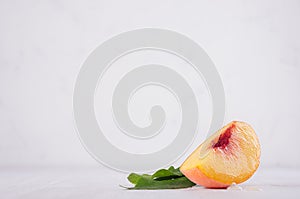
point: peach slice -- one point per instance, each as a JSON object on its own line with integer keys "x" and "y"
{"x": 231, "y": 155}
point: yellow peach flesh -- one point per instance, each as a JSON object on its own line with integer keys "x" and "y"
{"x": 231, "y": 155}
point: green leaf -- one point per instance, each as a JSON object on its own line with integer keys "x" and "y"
{"x": 175, "y": 171}
{"x": 148, "y": 183}
{"x": 162, "y": 179}
{"x": 164, "y": 174}
{"x": 134, "y": 178}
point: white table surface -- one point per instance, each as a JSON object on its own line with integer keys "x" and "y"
{"x": 70, "y": 182}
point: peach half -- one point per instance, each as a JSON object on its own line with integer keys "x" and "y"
{"x": 231, "y": 155}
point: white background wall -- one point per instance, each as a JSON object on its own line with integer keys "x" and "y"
{"x": 255, "y": 46}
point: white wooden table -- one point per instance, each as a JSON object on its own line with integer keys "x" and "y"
{"x": 100, "y": 183}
